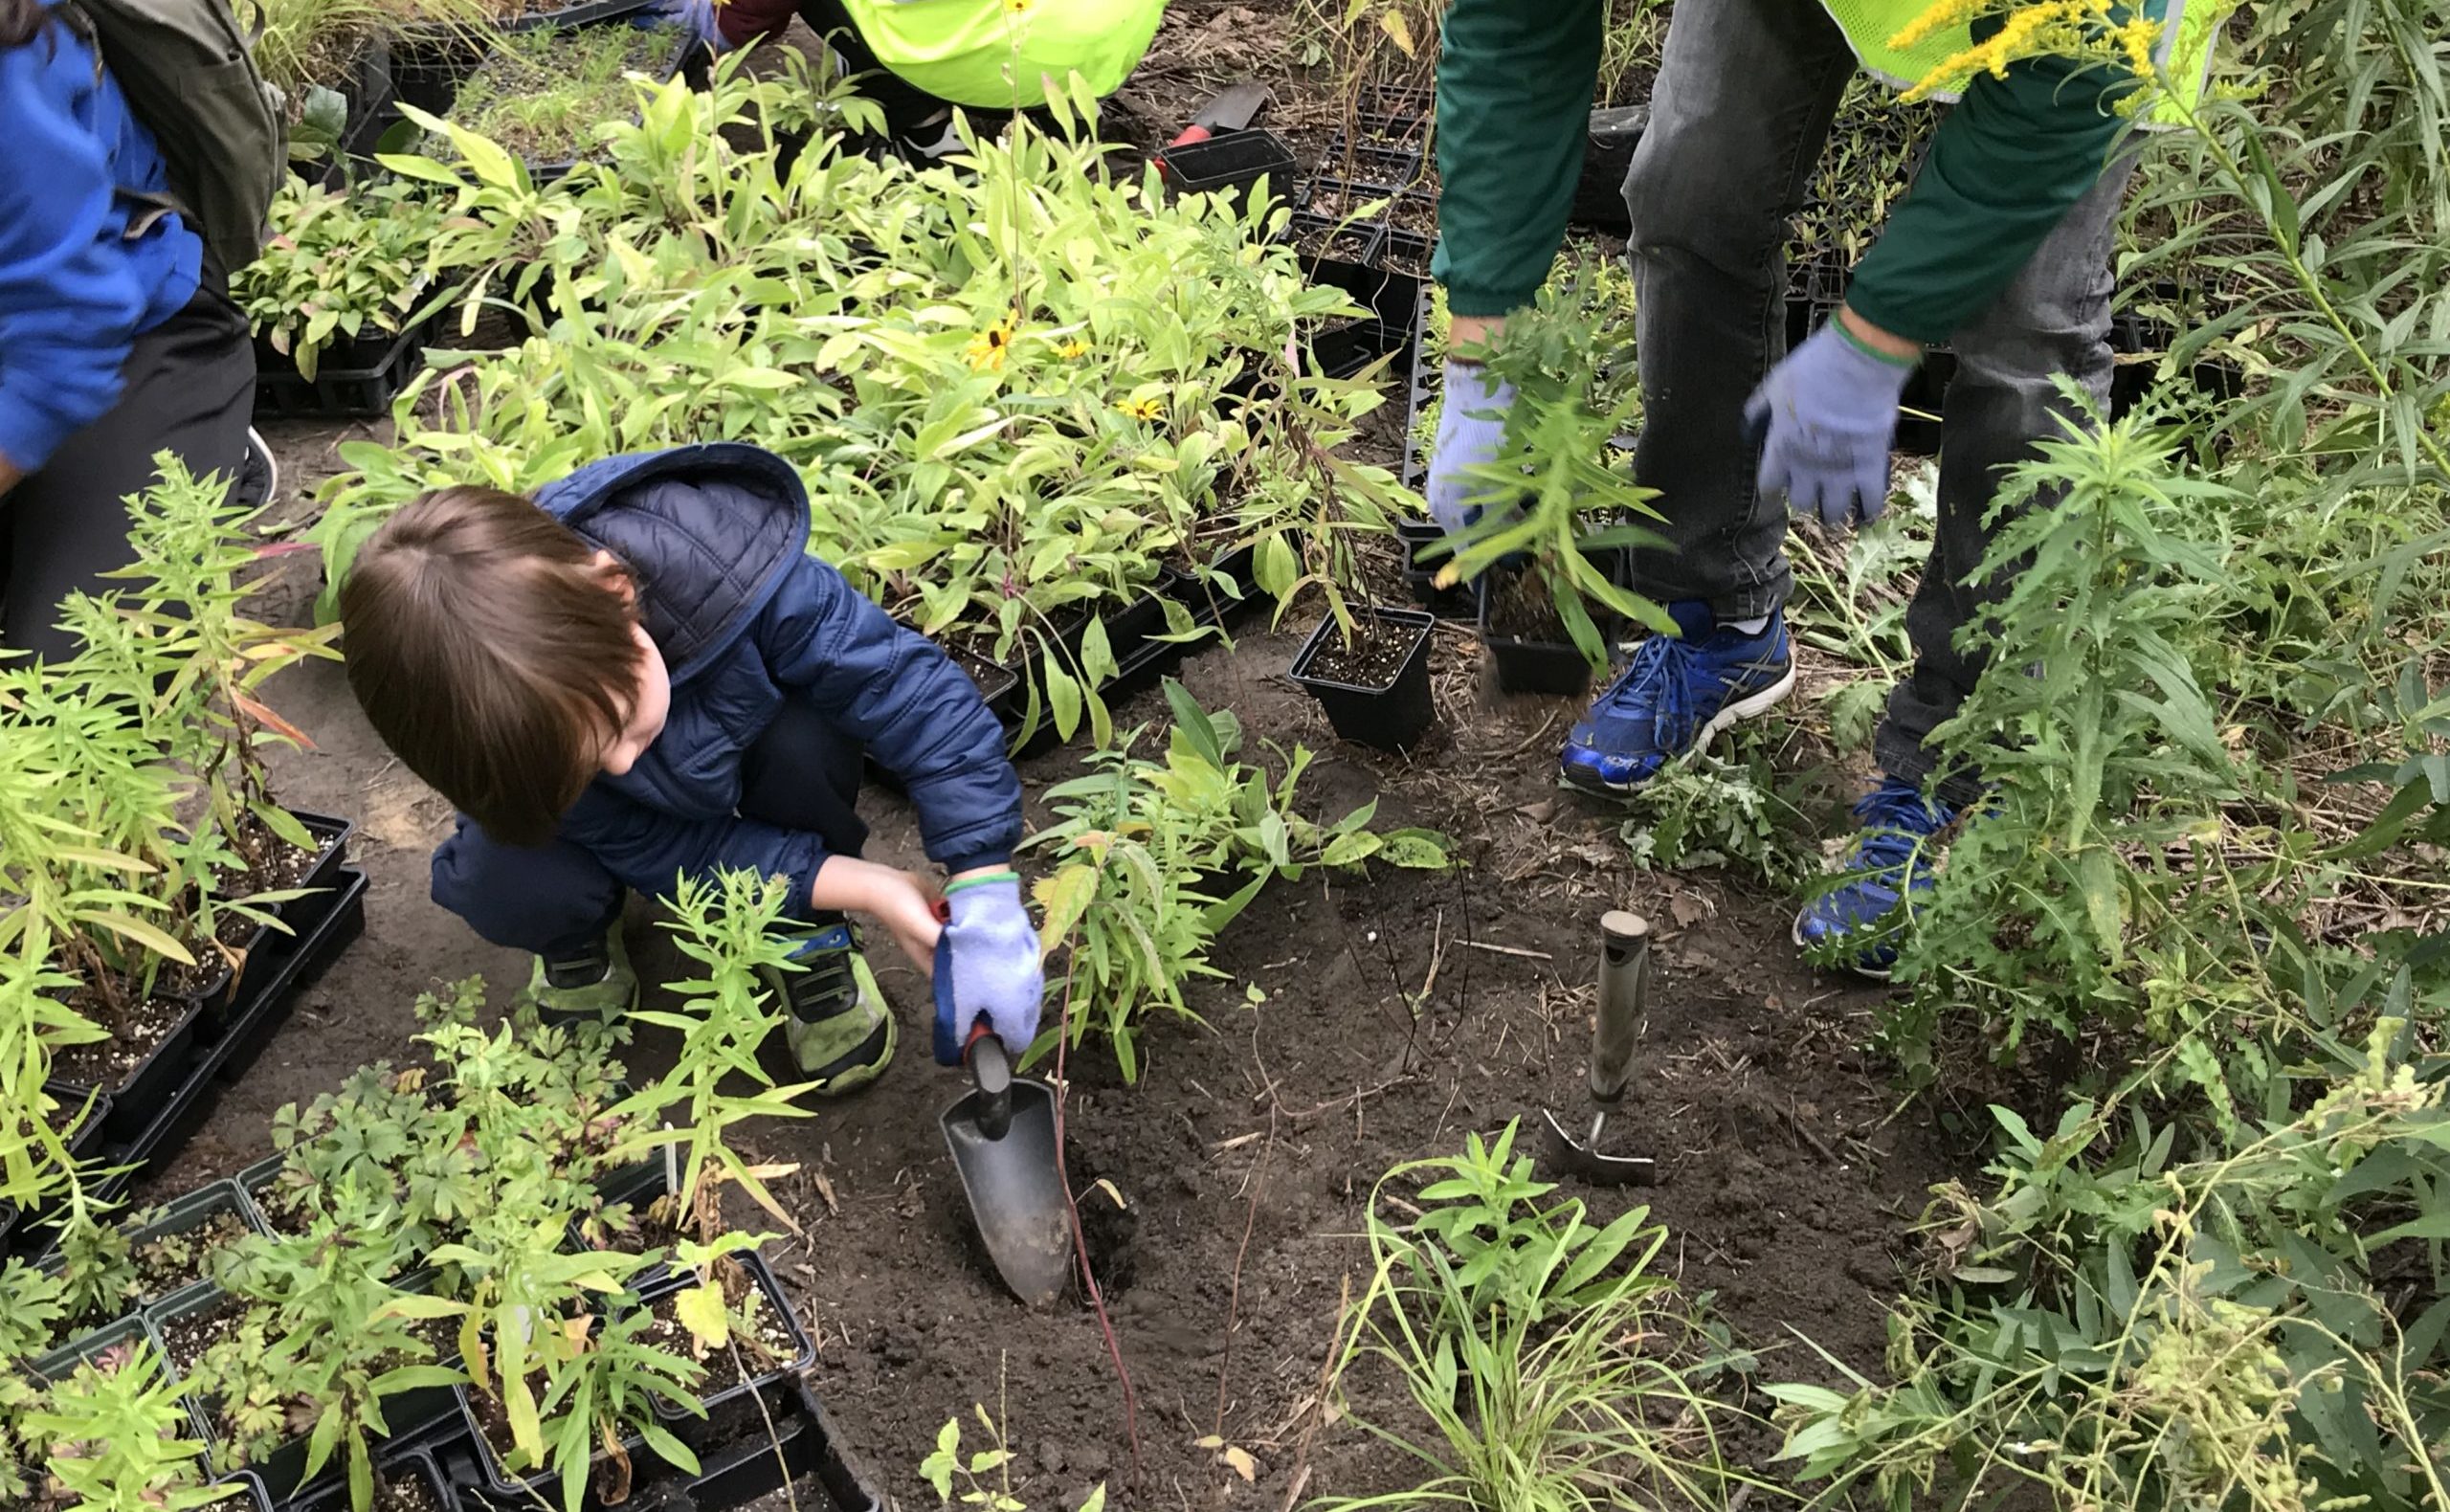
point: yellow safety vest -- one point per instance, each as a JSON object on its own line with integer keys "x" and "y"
{"x": 1004, "y": 53}
{"x": 2184, "y": 51}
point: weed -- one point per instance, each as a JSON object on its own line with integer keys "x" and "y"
{"x": 1554, "y": 1369}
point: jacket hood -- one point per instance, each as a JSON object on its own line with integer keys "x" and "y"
{"x": 709, "y": 531}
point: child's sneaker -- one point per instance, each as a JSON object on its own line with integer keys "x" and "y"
{"x": 1675, "y": 692}
{"x": 596, "y": 983}
{"x": 840, "y": 1030}
{"x": 1891, "y": 860}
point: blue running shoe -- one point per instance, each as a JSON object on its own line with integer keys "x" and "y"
{"x": 1891, "y": 858}
{"x": 1673, "y": 696}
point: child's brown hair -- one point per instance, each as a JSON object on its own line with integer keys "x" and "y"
{"x": 493, "y": 653}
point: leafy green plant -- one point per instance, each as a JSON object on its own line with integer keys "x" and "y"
{"x": 1554, "y": 1370}
{"x": 339, "y": 266}
{"x": 962, "y": 1478}
{"x": 730, "y": 924}
{"x": 326, "y": 1338}
{"x": 2093, "y": 886}
{"x": 113, "y": 1434}
{"x": 541, "y": 94}
{"x": 1555, "y": 512}
{"x": 2116, "y": 1323}
{"x": 1140, "y": 843}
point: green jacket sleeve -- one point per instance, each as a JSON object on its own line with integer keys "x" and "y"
{"x": 2005, "y": 165}
{"x": 1514, "y": 86}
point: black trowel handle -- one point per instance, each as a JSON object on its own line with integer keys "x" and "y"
{"x": 990, "y": 1072}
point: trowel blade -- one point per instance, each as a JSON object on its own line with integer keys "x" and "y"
{"x": 1562, "y": 1154}
{"x": 1015, "y": 1192}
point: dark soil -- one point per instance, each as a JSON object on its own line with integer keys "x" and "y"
{"x": 1376, "y": 653}
{"x": 1348, "y": 244}
{"x": 407, "y": 1494}
{"x": 1522, "y": 608}
{"x": 167, "y": 1263}
{"x": 185, "y": 1338}
{"x": 279, "y": 865}
{"x": 108, "y": 1063}
{"x": 766, "y": 1346}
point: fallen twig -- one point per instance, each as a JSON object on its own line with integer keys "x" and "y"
{"x": 1234, "y": 1298}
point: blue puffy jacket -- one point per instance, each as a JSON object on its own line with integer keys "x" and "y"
{"x": 716, "y": 537}
{"x": 75, "y": 293}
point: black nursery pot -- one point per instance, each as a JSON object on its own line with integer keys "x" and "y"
{"x": 746, "y": 1406}
{"x": 1389, "y": 718}
{"x": 1531, "y": 666}
{"x": 1420, "y": 573}
{"x": 1232, "y": 165}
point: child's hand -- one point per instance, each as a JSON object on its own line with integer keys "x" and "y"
{"x": 904, "y": 903}
{"x": 908, "y": 904}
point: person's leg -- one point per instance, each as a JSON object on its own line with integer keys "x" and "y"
{"x": 803, "y": 774}
{"x": 2054, "y": 318}
{"x": 1745, "y": 99}
{"x": 555, "y": 900}
{"x": 190, "y": 386}
{"x": 1746, "y": 90}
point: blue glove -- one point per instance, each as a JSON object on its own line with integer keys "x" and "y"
{"x": 1827, "y": 416}
{"x": 698, "y": 16}
{"x": 986, "y": 966}
{"x": 1471, "y": 427}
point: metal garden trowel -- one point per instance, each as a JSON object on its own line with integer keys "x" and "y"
{"x": 1001, "y": 1133}
{"x": 1624, "y": 996}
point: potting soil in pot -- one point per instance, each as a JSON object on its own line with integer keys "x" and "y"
{"x": 145, "y": 1023}
{"x": 1519, "y": 608}
{"x": 764, "y": 1344}
{"x": 172, "y": 1260}
{"x": 186, "y": 1336}
{"x": 1375, "y": 654}
{"x": 541, "y": 95}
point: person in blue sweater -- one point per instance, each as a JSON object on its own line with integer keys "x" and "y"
{"x": 641, "y": 676}
{"x": 118, "y": 341}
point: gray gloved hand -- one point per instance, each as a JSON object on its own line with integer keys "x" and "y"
{"x": 1828, "y": 417}
{"x": 1471, "y": 427}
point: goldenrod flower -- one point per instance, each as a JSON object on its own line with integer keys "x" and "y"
{"x": 989, "y": 348}
{"x": 2073, "y": 29}
{"x": 1149, "y": 408}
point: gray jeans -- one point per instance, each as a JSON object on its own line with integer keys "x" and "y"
{"x": 1744, "y": 100}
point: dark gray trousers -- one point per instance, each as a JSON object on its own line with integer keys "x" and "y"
{"x": 1743, "y": 105}
{"x": 190, "y": 388}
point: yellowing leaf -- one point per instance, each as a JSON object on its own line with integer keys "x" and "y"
{"x": 1242, "y": 1462}
{"x": 702, "y": 1312}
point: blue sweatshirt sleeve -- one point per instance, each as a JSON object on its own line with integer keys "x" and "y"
{"x": 649, "y": 849}
{"x": 892, "y": 690}
{"x": 70, "y": 297}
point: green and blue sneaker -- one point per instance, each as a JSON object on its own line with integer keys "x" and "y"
{"x": 594, "y": 983}
{"x": 840, "y": 1027}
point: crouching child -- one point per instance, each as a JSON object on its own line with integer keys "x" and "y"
{"x": 640, "y": 675}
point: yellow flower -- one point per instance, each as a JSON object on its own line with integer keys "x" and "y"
{"x": 1072, "y": 350}
{"x": 989, "y": 348}
{"x": 1149, "y": 408}
{"x": 1019, "y": 7}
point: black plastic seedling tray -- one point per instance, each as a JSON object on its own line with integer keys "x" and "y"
{"x": 163, "y": 1126}
{"x": 338, "y": 391}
